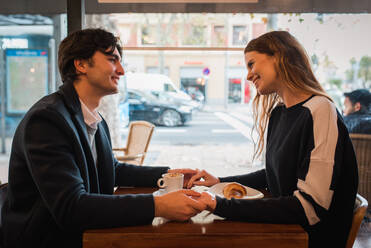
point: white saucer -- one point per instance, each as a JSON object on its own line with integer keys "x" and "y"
{"x": 159, "y": 192}
{"x": 217, "y": 189}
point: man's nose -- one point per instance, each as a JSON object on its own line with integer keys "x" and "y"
{"x": 249, "y": 76}
{"x": 120, "y": 69}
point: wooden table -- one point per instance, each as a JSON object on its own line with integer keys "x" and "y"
{"x": 223, "y": 234}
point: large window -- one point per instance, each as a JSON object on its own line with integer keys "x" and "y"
{"x": 28, "y": 68}
{"x": 200, "y": 57}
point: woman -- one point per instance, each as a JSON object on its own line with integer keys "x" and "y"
{"x": 311, "y": 170}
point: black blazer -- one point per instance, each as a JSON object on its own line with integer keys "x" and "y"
{"x": 56, "y": 191}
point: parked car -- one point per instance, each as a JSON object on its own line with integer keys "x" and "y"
{"x": 144, "y": 106}
{"x": 171, "y": 98}
{"x": 196, "y": 94}
{"x": 154, "y": 82}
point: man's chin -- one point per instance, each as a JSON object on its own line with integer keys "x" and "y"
{"x": 113, "y": 92}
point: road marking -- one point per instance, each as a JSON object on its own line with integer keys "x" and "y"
{"x": 249, "y": 119}
{"x": 224, "y": 131}
{"x": 203, "y": 122}
{"x": 166, "y": 130}
{"x": 241, "y": 127}
{"x": 161, "y": 130}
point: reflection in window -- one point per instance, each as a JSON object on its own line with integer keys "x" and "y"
{"x": 132, "y": 95}
{"x": 156, "y": 69}
{"x": 195, "y": 35}
{"x": 169, "y": 88}
{"x": 240, "y": 35}
{"x": 148, "y": 35}
{"x": 14, "y": 43}
{"x": 219, "y": 36}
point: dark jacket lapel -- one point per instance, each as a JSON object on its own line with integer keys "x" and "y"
{"x": 72, "y": 102}
{"x": 106, "y": 171}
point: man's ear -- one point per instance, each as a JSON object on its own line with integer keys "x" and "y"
{"x": 357, "y": 106}
{"x": 80, "y": 66}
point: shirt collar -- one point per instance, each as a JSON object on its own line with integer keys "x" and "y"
{"x": 91, "y": 118}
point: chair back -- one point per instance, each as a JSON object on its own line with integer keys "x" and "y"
{"x": 140, "y": 134}
{"x": 360, "y": 208}
{"x": 362, "y": 148}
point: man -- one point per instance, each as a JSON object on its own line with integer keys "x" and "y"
{"x": 356, "y": 111}
{"x": 62, "y": 171}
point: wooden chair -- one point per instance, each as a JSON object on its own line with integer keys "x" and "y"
{"x": 140, "y": 134}
{"x": 362, "y": 148}
{"x": 360, "y": 208}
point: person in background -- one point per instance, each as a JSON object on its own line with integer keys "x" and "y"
{"x": 62, "y": 171}
{"x": 357, "y": 112}
{"x": 311, "y": 168}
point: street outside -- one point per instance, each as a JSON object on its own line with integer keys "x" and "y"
{"x": 217, "y": 140}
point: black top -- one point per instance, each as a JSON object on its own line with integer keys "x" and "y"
{"x": 311, "y": 172}
{"x": 55, "y": 189}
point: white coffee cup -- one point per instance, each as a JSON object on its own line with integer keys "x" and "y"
{"x": 171, "y": 182}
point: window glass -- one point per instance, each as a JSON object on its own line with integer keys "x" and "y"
{"x": 240, "y": 35}
{"x": 148, "y": 35}
{"x": 202, "y": 55}
{"x": 28, "y": 68}
{"x": 219, "y": 36}
{"x": 194, "y": 35}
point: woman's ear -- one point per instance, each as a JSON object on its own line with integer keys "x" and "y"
{"x": 80, "y": 66}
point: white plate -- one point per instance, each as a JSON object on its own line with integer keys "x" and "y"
{"x": 217, "y": 189}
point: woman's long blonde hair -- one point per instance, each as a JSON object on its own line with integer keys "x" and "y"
{"x": 292, "y": 66}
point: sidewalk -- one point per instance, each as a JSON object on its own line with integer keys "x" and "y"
{"x": 220, "y": 160}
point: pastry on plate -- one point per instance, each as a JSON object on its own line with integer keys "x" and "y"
{"x": 234, "y": 190}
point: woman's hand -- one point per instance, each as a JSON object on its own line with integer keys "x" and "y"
{"x": 188, "y": 174}
{"x": 208, "y": 179}
{"x": 209, "y": 200}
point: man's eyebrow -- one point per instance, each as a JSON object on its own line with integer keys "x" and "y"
{"x": 115, "y": 56}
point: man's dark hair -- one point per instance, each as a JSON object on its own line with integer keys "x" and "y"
{"x": 83, "y": 44}
{"x": 362, "y": 96}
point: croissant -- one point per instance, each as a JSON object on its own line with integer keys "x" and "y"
{"x": 234, "y": 190}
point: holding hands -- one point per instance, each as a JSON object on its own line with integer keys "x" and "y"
{"x": 179, "y": 205}
{"x": 183, "y": 204}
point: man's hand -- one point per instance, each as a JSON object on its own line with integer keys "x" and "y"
{"x": 178, "y": 205}
{"x": 208, "y": 199}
